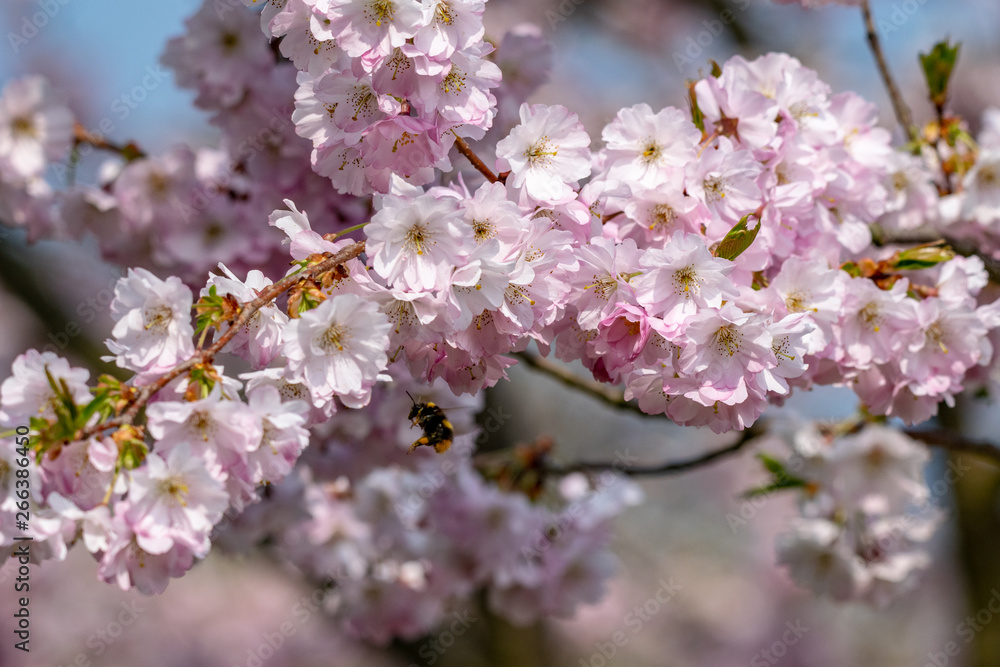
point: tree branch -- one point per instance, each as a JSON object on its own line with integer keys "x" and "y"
{"x": 249, "y": 309}
{"x": 602, "y": 392}
{"x": 17, "y": 263}
{"x": 668, "y": 468}
{"x": 941, "y": 438}
{"x": 129, "y": 151}
{"x": 480, "y": 166}
{"x": 936, "y": 438}
{"x": 616, "y": 399}
{"x": 898, "y": 104}
{"x": 956, "y": 442}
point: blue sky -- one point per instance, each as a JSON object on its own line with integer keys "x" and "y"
{"x": 101, "y": 50}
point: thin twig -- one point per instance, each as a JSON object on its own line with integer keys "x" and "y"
{"x": 480, "y": 166}
{"x": 129, "y": 150}
{"x": 668, "y": 468}
{"x": 266, "y": 296}
{"x": 898, "y": 104}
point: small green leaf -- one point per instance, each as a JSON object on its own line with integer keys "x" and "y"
{"x": 208, "y": 309}
{"x": 100, "y": 404}
{"x": 308, "y": 302}
{"x": 37, "y": 424}
{"x": 768, "y": 489}
{"x": 923, "y": 257}
{"x": 697, "y": 117}
{"x": 133, "y": 454}
{"x": 737, "y": 240}
{"x": 716, "y": 70}
{"x": 773, "y": 465}
{"x": 782, "y": 479}
{"x": 852, "y": 269}
{"x": 204, "y": 378}
{"x": 938, "y": 65}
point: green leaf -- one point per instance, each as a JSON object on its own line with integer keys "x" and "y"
{"x": 773, "y": 465}
{"x": 37, "y": 424}
{"x": 768, "y": 489}
{"x": 852, "y": 269}
{"x": 737, "y": 240}
{"x": 64, "y": 406}
{"x": 203, "y": 378}
{"x": 716, "y": 70}
{"x": 697, "y": 117}
{"x": 938, "y": 65}
{"x": 133, "y": 454}
{"x": 782, "y": 479}
{"x": 923, "y": 257}
{"x": 209, "y": 308}
{"x": 101, "y": 403}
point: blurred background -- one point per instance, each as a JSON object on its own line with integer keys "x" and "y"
{"x": 730, "y": 604}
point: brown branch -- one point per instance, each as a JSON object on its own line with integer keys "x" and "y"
{"x": 898, "y": 104}
{"x": 129, "y": 151}
{"x": 952, "y": 441}
{"x": 668, "y": 468}
{"x": 616, "y": 399}
{"x": 941, "y": 438}
{"x": 937, "y": 438}
{"x": 602, "y": 392}
{"x": 480, "y": 166}
{"x": 266, "y": 296}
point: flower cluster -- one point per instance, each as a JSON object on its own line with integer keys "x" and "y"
{"x": 866, "y": 513}
{"x": 630, "y": 274}
{"x": 403, "y": 539}
{"x": 354, "y": 508}
{"x": 36, "y": 128}
{"x": 709, "y": 261}
{"x": 385, "y": 87}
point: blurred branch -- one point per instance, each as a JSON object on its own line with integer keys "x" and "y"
{"x": 954, "y": 441}
{"x": 941, "y": 438}
{"x": 602, "y": 392}
{"x": 668, "y": 468}
{"x": 740, "y": 34}
{"x": 898, "y": 104}
{"x": 16, "y": 275}
{"x": 977, "y": 538}
{"x": 129, "y": 151}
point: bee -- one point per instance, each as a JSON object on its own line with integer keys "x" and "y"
{"x": 438, "y": 431}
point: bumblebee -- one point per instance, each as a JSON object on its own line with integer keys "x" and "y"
{"x": 438, "y": 431}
